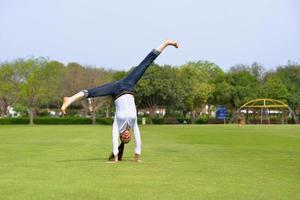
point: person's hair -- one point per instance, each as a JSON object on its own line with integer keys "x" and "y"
{"x": 125, "y": 136}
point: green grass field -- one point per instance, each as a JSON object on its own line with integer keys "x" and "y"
{"x": 179, "y": 162}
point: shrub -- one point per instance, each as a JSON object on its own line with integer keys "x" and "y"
{"x": 10, "y": 120}
{"x": 157, "y": 121}
{"x": 62, "y": 120}
{"x": 170, "y": 120}
{"x": 181, "y": 120}
{"x": 56, "y": 120}
{"x": 201, "y": 120}
{"x": 106, "y": 121}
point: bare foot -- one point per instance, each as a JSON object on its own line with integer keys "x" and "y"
{"x": 172, "y": 42}
{"x": 65, "y": 105}
{"x": 113, "y": 159}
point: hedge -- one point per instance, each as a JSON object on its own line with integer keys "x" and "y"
{"x": 183, "y": 120}
{"x": 202, "y": 120}
{"x": 85, "y": 120}
{"x": 62, "y": 120}
{"x": 56, "y": 120}
{"x": 157, "y": 121}
{"x": 14, "y": 120}
{"x": 170, "y": 120}
{"x": 108, "y": 121}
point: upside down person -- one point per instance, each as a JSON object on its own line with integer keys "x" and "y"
{"x": 122, "y": 93}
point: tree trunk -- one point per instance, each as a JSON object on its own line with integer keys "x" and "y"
{"x": 3, "y": 108}
{"x": 107, "y": 112}
{"x": 184, "y": 113}
{"x": 209, "y": 111}
{"x": 152, "y": 111}
{"x": 94, "y": 117}
{"x": 194, "y": 115}
{"x": 30, "y": 112}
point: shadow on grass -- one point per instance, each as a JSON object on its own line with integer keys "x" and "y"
{"x": 80, "y": 160}
{"x": 94, "y": 159}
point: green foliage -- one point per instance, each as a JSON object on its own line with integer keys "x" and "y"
{"x": 56, "y": 120}
{"x": 274, "y": 88}
{"x": 105, "y": 121}
{"x": 157, "y": 87}
{"x": 17, "y": 120}
{"x": 54, "y": 81}
{"x": 201, "y": 120}
{"x": 9, "y": 85}
{"x": 290, "y": 76}
{"x": 157, "y": 121}
{"x": 39, "y": 82}
{"x": 184, "y": 91}
{"x": 62, "y": 120}
{"x": 197, "y": 83}
{"x": 21, "y": 109}
{"x": 170, "y": 120}
{"x": 244, "y": 85}
{"x": 184, "y": 120}
{"x": 118, "y": 75}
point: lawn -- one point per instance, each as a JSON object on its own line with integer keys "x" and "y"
{"x": 208, "y": 162}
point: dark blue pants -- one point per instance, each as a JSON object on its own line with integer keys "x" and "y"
{"x": 126, "y": 84}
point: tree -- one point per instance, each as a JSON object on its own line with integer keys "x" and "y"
{"x": 36, "y": 82}
{"x": 290, "y": 76}
{"x": 54, "y": 81}
{"x": 202, "y": 93}
{"x": 222, "y": 93}
{"x": 274, "y": 88}
{"x": 156, "y": 88}
{"x": 197, "y": 80}
{"x": 93, "y": 78}
{"x": 244, "y": 85}
{"x": 9, "y": 85}
{"x": 74, "y": 79}
{"x": 78, "y": 78}
{"x": 258, "y": 71}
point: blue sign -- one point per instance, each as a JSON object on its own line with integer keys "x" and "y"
{"x": 221, "y": 113}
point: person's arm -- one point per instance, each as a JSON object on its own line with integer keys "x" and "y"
{"x": 115, "y": 139}
{"x": 137, "y": 139}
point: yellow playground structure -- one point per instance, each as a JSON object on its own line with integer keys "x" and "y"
{"x": 264, "y": 111}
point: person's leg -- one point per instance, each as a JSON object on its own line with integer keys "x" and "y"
{"x": 127, "y": 83}
{"x": 135, "y": 75}
{"x": 69, "y": 100}
{"x": 104, "y": 90}
{"x": 166, "y": 43}
{"x": 138, "y": 71}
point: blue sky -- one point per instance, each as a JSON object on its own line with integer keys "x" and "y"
{"x": 118, "y": 34}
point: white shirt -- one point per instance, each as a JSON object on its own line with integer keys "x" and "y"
{"x": 125, "y": 117}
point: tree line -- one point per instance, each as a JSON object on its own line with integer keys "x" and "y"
{"x": 34, "y": 85}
